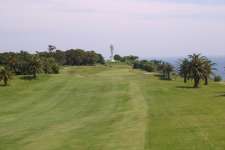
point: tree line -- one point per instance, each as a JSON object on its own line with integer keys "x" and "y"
{"x": 48, "y": 62}
{"x": 73, "y": 57}
{"x": 126, "y": 59}
{"x": 194, "y": 67}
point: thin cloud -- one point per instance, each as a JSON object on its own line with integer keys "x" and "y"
{"x": 131, "y": 24}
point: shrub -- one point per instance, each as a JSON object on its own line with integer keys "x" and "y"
{"x": 136, "y": 65}
{"x": 217, "y": 78}
{"x": 55, "y": 68}
{"x": 149, "y": 67}
{"x": 50, "y": 66}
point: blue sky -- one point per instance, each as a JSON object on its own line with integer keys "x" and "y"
{"x": 148, "y": 28}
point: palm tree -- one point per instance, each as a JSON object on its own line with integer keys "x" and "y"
{"x": 4, "y": 75}
{"x": 168, "y": 69}
{"x": 208, "y": 66}
{"x": 161, "y": 68}
{"x": 197, "y": 68}
{"x": 184, "y": 68}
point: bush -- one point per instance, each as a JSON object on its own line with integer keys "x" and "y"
{"x": 50, "y": 66}
{"x": 55, "y": 68}
{"x": 217, "y": 78}
{"x": 136, "y": 65}
{"x": 149, "y": 67}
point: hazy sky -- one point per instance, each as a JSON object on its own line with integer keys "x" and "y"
{"x": 148, "y": 28}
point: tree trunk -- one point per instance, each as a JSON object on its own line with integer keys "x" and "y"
{"x": 168, "y": 74}
{"x": 185, "y": 78}
{"x": 196, "y": 82}
{"x": 206, "y": 81}
{"x": 34, "y": 75}
{"x": 164, "y": 75}
{"x": 5, "y": 81}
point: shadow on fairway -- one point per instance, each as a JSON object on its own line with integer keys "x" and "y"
{"x": 157, "y": 75}
{"x": 184, "y": 87}
{"x": 27, "y": 78}
{"x": 161, "y": 77}
{"x": 220, "y": 94}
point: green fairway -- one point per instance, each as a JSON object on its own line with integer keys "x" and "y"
{"x": 110, "y": 108}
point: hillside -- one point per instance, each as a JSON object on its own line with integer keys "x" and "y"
{"x": 110, "y": 108}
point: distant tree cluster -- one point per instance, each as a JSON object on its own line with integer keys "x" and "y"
{"x": 196, "y": 67}
{"x": 25, "y": 63}
{"x": 126, "y": 59}
{"x": 166, "y": 69}
{"x": 75, "y": 57}
{"x": 145, "y": 65}
{"x": 155, "y": 66}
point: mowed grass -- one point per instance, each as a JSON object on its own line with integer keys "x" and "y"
{"x": 110, "y": 108}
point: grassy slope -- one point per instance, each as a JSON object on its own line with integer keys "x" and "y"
{"x": 99, "y": 108}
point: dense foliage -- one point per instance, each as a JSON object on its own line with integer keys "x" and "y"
{"x": 4, "y": 75}
{"x": 155, "y": 66}
{"x": 74, "y": 57}
{"x": 24, "y": 63}
{"x": 217, "y": 78}
{"x": 145, "y": 65}
{"x": 126, "y": 59}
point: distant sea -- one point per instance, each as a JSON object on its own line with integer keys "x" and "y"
{"x": 220, "y": 63}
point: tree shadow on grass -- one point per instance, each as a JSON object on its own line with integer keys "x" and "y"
{"x": 27, "y": 78}
{"x": 157, "y": 75}
{"x": 161, "y": 77}
{"x": 185, "y": 87}
{"x": 220, "y": 94}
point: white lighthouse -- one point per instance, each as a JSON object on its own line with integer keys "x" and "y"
{"x": 112, "y": 53}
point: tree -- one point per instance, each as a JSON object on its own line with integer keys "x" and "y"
{"x": 101, "y": 59}
{"x": 168, "y": 69}
{"x": 117, "y": 57}
{"x": 81, "y": 57}
{"x": 197, "y": 68}
{"x": 60, "y": 57}
{"x": 50, "y": 66}
{"x": 208, "y": 67}
{"x": 51, "y": 48}
{"x": 35, "y": 65}
{"x": 4, "y": 75}
{"x": 129, "y": 59}
{"x": 149, "y": 67}
{"x": 144, "y": 65}
{"x": 217, "y": 78}
{"x": 12, "y": 62}
{"x": 184, "y": 68}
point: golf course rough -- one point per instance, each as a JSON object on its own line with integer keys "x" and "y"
{"x": 110, "y": 108}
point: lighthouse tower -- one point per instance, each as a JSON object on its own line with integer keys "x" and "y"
{"x": 112, "y": 53}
